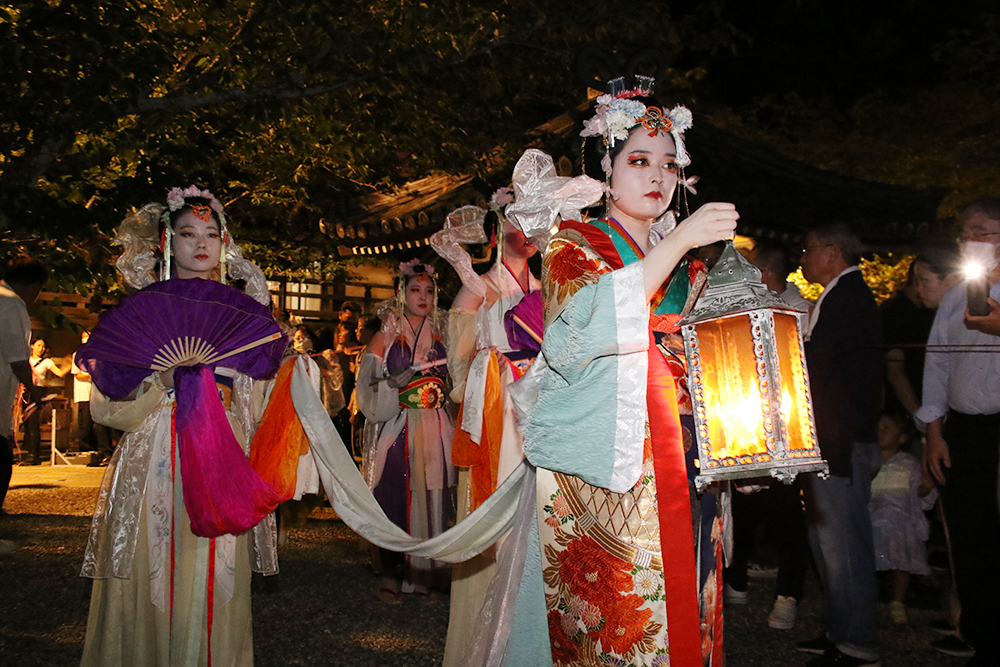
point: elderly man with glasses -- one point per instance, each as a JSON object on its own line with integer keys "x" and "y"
{"x": 845, "y": 374}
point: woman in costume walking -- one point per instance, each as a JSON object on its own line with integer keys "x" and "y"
{"x": 627, "y": 578}
{"x": 494, "y": 333}
{"x": 402, "y": 388}
{"x": 163, "y": 595}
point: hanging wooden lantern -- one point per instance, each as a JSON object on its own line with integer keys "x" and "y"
{"x": 748, "y": 380}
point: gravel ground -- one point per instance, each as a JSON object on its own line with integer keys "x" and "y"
{"x": 321, "y": 609}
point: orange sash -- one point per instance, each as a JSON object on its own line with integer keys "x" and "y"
{"x": 482, "y": 460}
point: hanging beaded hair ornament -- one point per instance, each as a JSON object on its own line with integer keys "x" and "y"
{"x": 618, "y": 112}
{"x": 176, "y": 200}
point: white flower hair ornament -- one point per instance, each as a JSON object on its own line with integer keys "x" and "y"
{"x": 502, "y": 198}
{"x": 617, "y": 113}
{"x": 176, "y": 200}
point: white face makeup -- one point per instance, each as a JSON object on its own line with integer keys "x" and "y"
{"x": 515, "y": 243}
{"x": 643, "y": 177}
{"x": 419, "y": 296}
{"x": 196, "y": 246}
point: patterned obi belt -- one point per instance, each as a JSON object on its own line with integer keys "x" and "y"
{"x": 424, "y": 392}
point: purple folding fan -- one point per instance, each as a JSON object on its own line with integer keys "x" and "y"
{"x": 177, "y": 321}
{"x": 524, "y": 323}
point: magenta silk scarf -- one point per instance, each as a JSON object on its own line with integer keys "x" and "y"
{"x": 222, "y": 492}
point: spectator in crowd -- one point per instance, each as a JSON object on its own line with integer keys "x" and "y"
{"x": 23, "y": 280}
{"x": 284, "y": 320}
{"x": 348, "y": 316}
{"x": 342, "y": 355}
{"x": 91, "y": 436}
{"x": 906, "y": 323}
{"x": 901, "y": 493}
{"x": 775, "y": 265}
{"x": 341, "y": 335}
{"x": 961, "y": 408}
{"x": 368, "y": 326}
{"x": 47, "y": 372}
{"x": 845, "y": 375}
{"x": 331, "y": 376}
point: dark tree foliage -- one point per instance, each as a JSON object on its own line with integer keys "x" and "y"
{"x": 287, "y": 110}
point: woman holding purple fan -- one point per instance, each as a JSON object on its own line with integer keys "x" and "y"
{"x": 182, "y": 517}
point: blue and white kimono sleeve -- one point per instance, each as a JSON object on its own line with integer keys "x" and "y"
{"x": 589, "y": 418}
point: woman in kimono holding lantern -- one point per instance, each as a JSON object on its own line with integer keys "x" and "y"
{"x": 627, "y": 577}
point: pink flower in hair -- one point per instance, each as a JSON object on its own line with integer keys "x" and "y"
{"x": 415, "y": 266}
{"x": 502, "y": 197}
{"x": 176, "y": 198}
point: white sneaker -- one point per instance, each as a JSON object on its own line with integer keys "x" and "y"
{"x": 732, "y": 596}
{"x": 782, "y": 617}
{"x": 758, "y": 571}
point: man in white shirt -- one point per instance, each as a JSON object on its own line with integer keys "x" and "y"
{"x": 961, "y": 407}
{"x": 23, "y": 280}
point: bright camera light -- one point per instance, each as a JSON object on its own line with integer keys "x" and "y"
{"x": 973, "y": 270}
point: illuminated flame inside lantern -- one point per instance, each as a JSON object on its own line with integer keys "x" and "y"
{"x": 741, "y": 424}
{"x": 732, "y": 369}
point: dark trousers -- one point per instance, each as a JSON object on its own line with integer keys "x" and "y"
{"x": 6, "y": 466}
{"x": 91, "y": 435}
{"x": 970, "y": 507}
{"x": 778, "y": 510}
{"x": 32, "y": 436}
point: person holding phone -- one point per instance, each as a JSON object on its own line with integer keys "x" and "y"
{"x": 961, "y": 408}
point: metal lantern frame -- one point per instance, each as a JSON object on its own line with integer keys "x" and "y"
{"x": 734, "y": 290}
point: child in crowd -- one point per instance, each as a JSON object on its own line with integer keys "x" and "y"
{"x": 901, "y": 493}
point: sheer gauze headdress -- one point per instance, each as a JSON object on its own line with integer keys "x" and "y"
{"x": 536, "y": 198}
